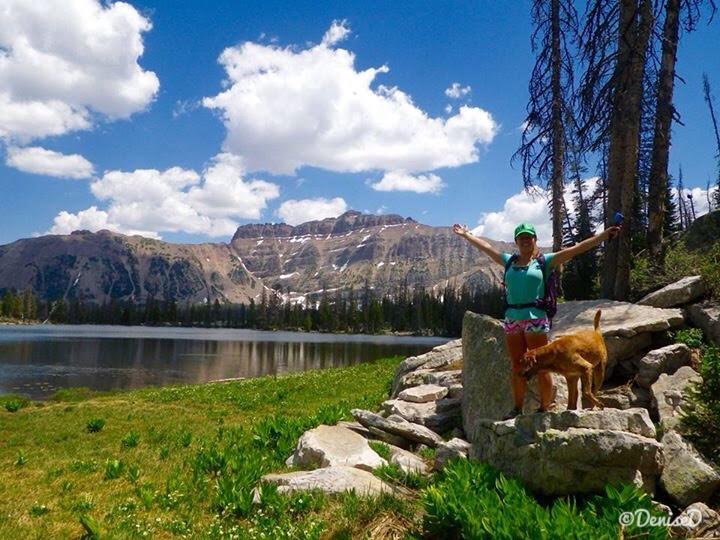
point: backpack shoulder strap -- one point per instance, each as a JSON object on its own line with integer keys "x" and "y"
{"x": 510, "y": 261}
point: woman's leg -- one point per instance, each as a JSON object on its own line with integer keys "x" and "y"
{"x": 545, "y": 384}
{"x": 516, "y": 347}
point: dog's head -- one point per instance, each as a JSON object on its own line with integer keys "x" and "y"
{"x": 529, "y": 364}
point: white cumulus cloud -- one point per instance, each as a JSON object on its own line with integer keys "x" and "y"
{"x": 149, "y": 201}
{"x": 526, "y": 207}
{"x": 284, "y": 108}
{"x": 64, "y": 61}
{"x": 456, "y": 91}
{"x": 401, "y": 181}
{"x": 294, "y": 212}
{"x": 38, "y": 160}
{"x": 337, "y": 32}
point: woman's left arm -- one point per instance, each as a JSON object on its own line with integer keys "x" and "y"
{"x": 566, "y": 254}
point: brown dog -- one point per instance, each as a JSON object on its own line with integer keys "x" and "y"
{"x": 576, "y": 356}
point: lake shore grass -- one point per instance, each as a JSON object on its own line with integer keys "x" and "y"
{"x": 185, "y": 462}
{"x": 139, "y": 463}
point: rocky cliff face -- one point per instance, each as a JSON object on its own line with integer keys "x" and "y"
{"x": 98, "y": 267}
{"x": 299, "y": 262}
{"x": 346, "y": 251}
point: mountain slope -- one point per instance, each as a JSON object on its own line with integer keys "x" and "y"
{"x": 299, "y": 262}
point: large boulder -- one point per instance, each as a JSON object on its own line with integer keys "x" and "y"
{"x": 687, "y": 478}
{"x": 439, "y": 357}
{"x": 574, "y": 451}
{"x": 330, "y": 480}
{"x": 664, "y": 360}
{"x": 621, "y": 324}
{"x": 668, "y": 396}
{"x": 397, "y": 425}
{"x": 487, "y": 371}
{"x": 676, "y": 294}
{"x": 706, "y": 316}
{"x": 329, "y": 446}
{"x": 440, "y": 416}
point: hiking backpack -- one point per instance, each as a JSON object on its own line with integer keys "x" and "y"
{"x": 548, "y": 302}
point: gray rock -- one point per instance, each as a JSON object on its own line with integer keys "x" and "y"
{"x": 440, "y": 416}
{"x": 440, "y": 356}
{"x": 627, "y": 328}
{"x": 676, "y": 294}
{"x": 618, "y": 318}
{"x": 697, "y": 521}
{"x": 687, "y": 478}
{"x": 454, "y": 448}
{"x": 329, "y": 446}
{"x": 707, "y": 317}
{"x": 623, "y": 348}
{"x": 573, "y": 451}
{"x": 423, "y": 393}
{"x": 409, "y": 380}
{"x": 665, "y": 360}
{"x": 407, "y": 461}
{"x": 330, "y": 480}
{"x": 444, "y": 378}
{"x": 384, "y": 436}
{"x": 398, "y": 426}
{"x": 668, "y": 396}
{"x": 626, "y": 397}
{"x": 455, "y": 391}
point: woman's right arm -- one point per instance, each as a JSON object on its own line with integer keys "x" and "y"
{"x": 484, "y": 246}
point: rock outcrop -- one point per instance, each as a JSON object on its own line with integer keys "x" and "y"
{"x": 573, "y": 451}
{"x": 687, "y": 477}
{"x": 397, "y": 425}
{"x": 676, "y": 294}
{"x": 706, "y": 316}
{"x": 669, "y": 396}
{"x": 329, "y": 446}
{"x": 664, "y": 360}
{"x": 330, "y": 480}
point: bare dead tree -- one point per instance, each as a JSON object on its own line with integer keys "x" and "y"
{"x": 543, "y": 149}
{"x": 690, "y": 12}
{"x": 709, "y": 100}
{"x": 614, "y": 42}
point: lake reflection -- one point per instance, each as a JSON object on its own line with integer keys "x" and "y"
{"x": 36, "y": 360}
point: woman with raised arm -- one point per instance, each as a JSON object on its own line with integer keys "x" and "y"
{"x": 526, "y": 325}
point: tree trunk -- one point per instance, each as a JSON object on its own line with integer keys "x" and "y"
{"x": 633, "y": 37}
{"x": 663, "y": 123}
{"x": 558, "y": 142}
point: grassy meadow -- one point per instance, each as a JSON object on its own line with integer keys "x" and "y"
{"x": 184, "y": 462}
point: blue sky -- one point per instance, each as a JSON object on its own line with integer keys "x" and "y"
{"x": 171, "y": 144}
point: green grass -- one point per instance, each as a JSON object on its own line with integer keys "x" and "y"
{"x": 185, "y": 462}
{"x": 175, "y": 461}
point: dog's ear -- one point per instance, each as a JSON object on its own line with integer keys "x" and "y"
{"x": 529, "y": 358}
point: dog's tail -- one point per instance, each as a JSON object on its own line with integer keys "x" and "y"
{"x": 597, "y": 319}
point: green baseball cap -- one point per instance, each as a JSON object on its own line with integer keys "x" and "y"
{"x": 525, "y": 228}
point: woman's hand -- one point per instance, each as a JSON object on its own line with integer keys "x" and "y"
{"x": 461, "y": 230}
{"x": 610, "y": 232}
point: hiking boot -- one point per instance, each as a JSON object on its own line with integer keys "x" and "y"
{"x": 515, "y": 411}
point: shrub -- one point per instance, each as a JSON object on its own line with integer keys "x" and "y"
{"x": 381, "y": 449}
{"x": 692, "y": 337}
{"x": 702, "y": 420}
{"x": 37, "y": 510}
{"x": 473, "y": 500}
{"x": 130, "y": 440}
{"x": 95, "y": 425}
{"x": 113, "y": 469}
{"x": 13, "y": 402}
{"x": 20, "y": 460}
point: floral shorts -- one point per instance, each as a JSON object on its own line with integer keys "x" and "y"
{"x": 538, "y": 326}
